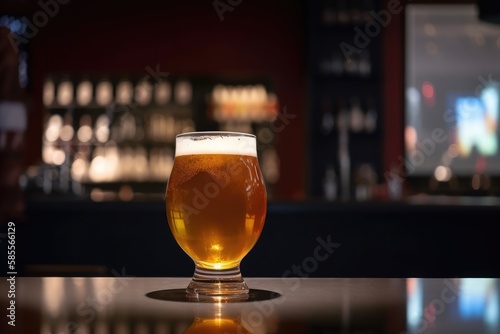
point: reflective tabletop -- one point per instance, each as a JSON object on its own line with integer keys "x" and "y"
{"x": 124, "y": 304}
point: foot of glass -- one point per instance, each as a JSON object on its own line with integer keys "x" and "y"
{"x": 217, "y": 285}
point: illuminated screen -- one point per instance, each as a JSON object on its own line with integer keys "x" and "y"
{"x": 452, "y": 82}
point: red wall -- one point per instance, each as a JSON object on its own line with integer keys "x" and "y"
{"x": 256, "y": 38}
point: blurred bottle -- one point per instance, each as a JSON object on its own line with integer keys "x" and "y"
{"x": 356, "y": 117}
{"x": 343, "y": 152}
{"x": 330, "y": 184}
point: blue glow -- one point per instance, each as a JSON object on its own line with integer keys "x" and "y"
{"x": 492, "y": 309}
{"x": 414, "y": 303}
{"x": 15, "y": 25}
{"x": 472, "y": 301}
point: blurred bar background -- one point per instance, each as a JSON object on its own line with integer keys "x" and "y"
{"x": 359, "y": 107}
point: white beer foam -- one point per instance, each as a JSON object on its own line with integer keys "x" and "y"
{"x": 216, "y": 144}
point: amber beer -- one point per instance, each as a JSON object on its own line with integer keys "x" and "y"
{"x": 216, "y": 200}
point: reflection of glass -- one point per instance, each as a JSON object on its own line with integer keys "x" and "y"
{"x": 216, "y": 206}
{"x": 217, "y": 318}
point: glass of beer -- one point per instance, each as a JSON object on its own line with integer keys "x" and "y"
{"x": 216, "y": 205}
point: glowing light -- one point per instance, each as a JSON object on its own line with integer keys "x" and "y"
{"x": 102, "y": 134}
{"x": 104, "y": 93}
{"x": 412, "y": 95}
{"x": 124, "y": 92}
{"x": 58, "y": 157}
{"x": 97, "y": 169}
{"x": 84, "y": 133}
{"x": 52, "y": 133}
{"x": 414, "y": 302}
{"x": 65, "y": 93}
{"x": 53, "y": 295}
{"x": 427, "y": 90}
{"x": 183, "y": 92}
{"x": 216, "y": 248}
{"x": 78, "y": 169}
{"x": 143, "y": 93}
{"x": 84, "y": 93}
{"x": 474, "y": 297}
{"x": 55, "y": 120}
{"x": 102, "y": 128}
{"x": 442, "y": 173}
{"x": 163, "y": 93}
{"x": 47, "y": 153}
{"x": 67, "y": 132}
{"x": 48, "y": 93}
{"x": 411, "y": 138}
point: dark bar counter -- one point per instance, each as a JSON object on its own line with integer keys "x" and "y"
{"x": 418, "y": 237}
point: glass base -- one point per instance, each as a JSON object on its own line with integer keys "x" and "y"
{"x": 217, "y": 285}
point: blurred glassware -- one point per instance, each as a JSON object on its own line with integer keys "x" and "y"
{"x": 104, "y": 93}
{"x": 65, "y": 93}
{"x": 84, "y": 93}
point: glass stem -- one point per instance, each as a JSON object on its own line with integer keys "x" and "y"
{"x": 209, "y": 284}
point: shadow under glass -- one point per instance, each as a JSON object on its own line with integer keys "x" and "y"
{"x": 180, "y": 295}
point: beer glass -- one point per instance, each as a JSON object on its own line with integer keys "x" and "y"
{"x": 216, "y": 205}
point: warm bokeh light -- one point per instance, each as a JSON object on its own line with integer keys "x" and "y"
{"x": 428, "y": 90}
{"x": 48, "y": 93}
{"x": 65, "y": 93}
{"x": 163, "y": 93}
{"x": 442, "y": 173}
{"x": 104, "y": 93}
{"x": 124, "y": 92}
{"x": 143, "y": 93}
{"x": 58, "y": 157}
{"x": 67, "y": 132}
{"x": 84, "y": 133}
{"x": 183, "y": 92}
{"x": 79, "y": 169}
{"x": 84, "y": 93}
